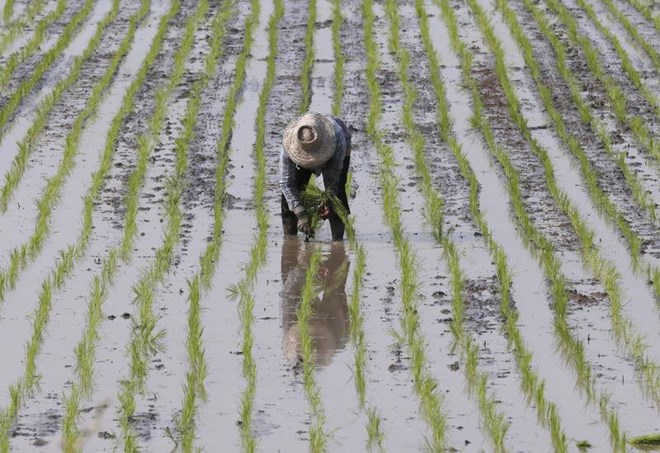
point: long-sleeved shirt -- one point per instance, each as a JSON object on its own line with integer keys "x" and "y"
{"x": 331, "y": 170}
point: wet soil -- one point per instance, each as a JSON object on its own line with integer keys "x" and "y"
{"x": 280, "y": 417}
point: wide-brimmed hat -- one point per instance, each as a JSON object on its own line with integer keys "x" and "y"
{"x": 310, "y": 140}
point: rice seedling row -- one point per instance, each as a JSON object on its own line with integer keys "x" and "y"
{"x": 49, "y": 57}
{"x": 626, "y": 63}
{"x": 591, "y": 178}
{"x": 243, "y": 290}
{"x": 68, "y": 256}
{"x": 604, "y": 269}
{"x": 21, "y": 256}
{"x": 424, "y": 384}
{"x": 15, "y": 28}
{"x": 30, "y": 140}
{"x": 614, "y": 91}
{"x": 102, "y": 282}
{"x": 572, "y": 347}
{"x": 645, "y": 10}
{"x": 357, "y": 331}
{"x": 477, "y": 381}
{"x": 632, "y": 30}
{"x": 531, "y": 384}
{"x": 639, "y": 193}
{"x": 146, "y": 337}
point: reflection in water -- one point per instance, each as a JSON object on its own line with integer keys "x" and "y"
{"x": 328, "y": 324}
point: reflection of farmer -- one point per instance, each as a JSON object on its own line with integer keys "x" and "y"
{"x": 328, "y": 323}
{"x": 319, "y": 144}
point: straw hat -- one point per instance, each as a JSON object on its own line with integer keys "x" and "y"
{"x": 310, "y": 140}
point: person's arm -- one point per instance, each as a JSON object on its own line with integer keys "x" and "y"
{"x": 288, "y": 183}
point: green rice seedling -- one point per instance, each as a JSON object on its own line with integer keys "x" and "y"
{"x": 308, "y": 63}
{"x": 603, "y": 269}
{"x": 424, "y": 384}
{"x": 356, "y": 333}
{"x": 605, "y": 273}
{"x": 151, "y": 340}
{"x": 649, "y": 440}
{"x": 614, "y": 92}
{"x": 640, "y": 195}
{"x": 626, "y": 64}
{"x": 29, "y": 141}
{"x": 632, "y": 31}
{"x": 16, "y": 27}
{"x": 602, "y": 202}
{"x": 22, "y": 255}
{"x": 243, "y": 289}
{"x": 477, "y": 380}
{"x": 572, "y": 347}
{"x": 644, "y": 8}
{"x": 339, "y": 71}
{"x": 33, "y": 45}
{"x": 8, "y": 10}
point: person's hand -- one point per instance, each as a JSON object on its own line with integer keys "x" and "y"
{"x": 305, "y": 225}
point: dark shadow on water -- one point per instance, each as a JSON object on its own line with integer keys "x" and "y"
{"x": 329, "y": 323}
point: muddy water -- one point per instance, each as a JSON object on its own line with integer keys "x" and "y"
{"x": 18, "y": 221}
{"x": 601, "y": 349}
{"x": 63, "y": 232}
{"x": 529, "y": 287}
{"x": 640, "y": 61}
{"x": 568, "y": 177}
{"x": 70, "y": 308}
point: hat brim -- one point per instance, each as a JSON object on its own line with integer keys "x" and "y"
{"x": 325, "y": 131}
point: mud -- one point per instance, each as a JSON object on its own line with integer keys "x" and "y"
{"x": 280, "y": 417}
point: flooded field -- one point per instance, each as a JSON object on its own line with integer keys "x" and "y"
{"x": 499, "y": 286}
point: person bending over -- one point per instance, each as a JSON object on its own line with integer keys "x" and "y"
{"x": 318, "y": 144}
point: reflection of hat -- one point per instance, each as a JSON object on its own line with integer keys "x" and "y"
{"x": 309, "y": 140}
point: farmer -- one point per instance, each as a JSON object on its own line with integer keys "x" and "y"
{"x": 319, "y": 144}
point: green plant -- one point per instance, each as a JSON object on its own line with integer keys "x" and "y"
{"x": 49, "y": 57}
{"x": 424, "y": 384}
{"x": 614, "y": 92}
{"x": 68, "y": 256}
{"x": 308, "y": 63}
{"x": 477, "y": 380}
{"x": 646, "y": 440}
{"x": 339, "y": 71}
{"x": 16, "y": 27}
{"x": 572, "y": 348}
